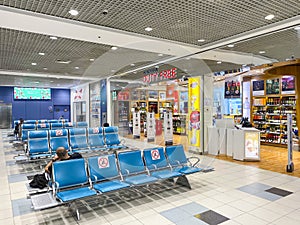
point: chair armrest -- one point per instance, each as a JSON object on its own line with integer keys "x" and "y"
{"x": 122, "y": 141}
{"x": 127, "y": 171}
{"x": 193, "y": 158}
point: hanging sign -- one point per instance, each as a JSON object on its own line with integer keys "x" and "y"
{"x": 136, "y": 124}
{"x": 168, "y": 128}
{"x": 232, "y": 89}
{"x": 150, "y": 127}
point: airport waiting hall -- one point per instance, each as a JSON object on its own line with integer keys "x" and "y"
{"x": 228, "y": 193}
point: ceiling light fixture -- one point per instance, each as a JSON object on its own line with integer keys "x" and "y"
{"x": 53, "y": 38}
{"x": 34, "y": 64}
{"x": 114, "y": 48}
{"x": 297, "y": 28}
{"x": 45, "y": 68}
{"x": 37, "y": 82}
{"x": 219, "y": 62}
{"x": 148, "y": 29}
{"x": 160, "y": 54}
{"x": 73, "y": 12}
{"x": 76, "y": 67}
{"x": 269, "y": 17}
{"x": 92, "y": 60}
{"x": 262, "y": 52}
{"x": 230, "y": 46}
{"x": 113, "y": 71}
{"x": 201, "y": 40}
{"x": 132, "y": 64}
{"x": 41, "y": 53}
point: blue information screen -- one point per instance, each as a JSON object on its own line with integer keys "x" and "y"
{"x": 32, "y": 93}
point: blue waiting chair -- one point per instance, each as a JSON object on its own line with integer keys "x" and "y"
{"x": 56, "y": 126}
{"x": 78, "y": 140}
{"x": 95, "y": 138}
{"x": 104, "y": 173}
{"x": 156, "y": 163}
{"x": 29, "y": 121}
{"x": 38, "y": 144}
{"x": 179, "y": 161}
{"x": 52, "y": 121}
{"x": 71, "y": 181}
{"x": 43, "y": 126}
{"x": 82, "y": 124}
{"x": 68, "y": 125}
{"x": 112, "y": 140}
{"x": 25, "y": 128}
{"x": 58, "y": 138}
{"x": 133, "y": 169}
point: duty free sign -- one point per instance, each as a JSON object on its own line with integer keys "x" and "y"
{"x": 159, "y": 76}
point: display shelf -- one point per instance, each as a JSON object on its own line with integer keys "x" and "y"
{"x": 123, "y": 110}
{"x": 269, "y": 115}
{"x": 179, "y": 124}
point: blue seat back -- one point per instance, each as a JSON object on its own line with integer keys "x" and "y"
{"x": 131, "y": 162}
{"x": 111, "y": 136}
{"x": 59, "y": 138}
{"x": 78, "y": 138}
{"x": 82, "y": 124}
{"x": 69, "y": 173}
{"x": 38, "y": 145}
{"x": 29, "y": 121}
{"x": 25, "y": 129}
{"x": 95, "y": 137}
{"x": 103, "y": 167}
{"x": 55, "y": 126}
{"x": 52, "y": 121}
{"x": 176, "y": 155}
{"x": 155, "y": 158}
{"x": 37, "y": 134}
{"x": 68, "y": 125}
{"x": 43, "y": 126}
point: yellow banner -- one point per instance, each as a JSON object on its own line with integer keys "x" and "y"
{"x": 194, "y": 112}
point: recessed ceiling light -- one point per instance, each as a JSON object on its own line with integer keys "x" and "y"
{"x": 113, "y": 71}
{"x": 160, "y": 54}
{"x": 53, "y": 38}
{"x": 269, "y": 17}
{"x": 219, "y": 62}
{"x": 201, "y": 40}
{"x": 51, "y": 81}
{"x": 230, "y": 46}
{"x": 262, "y": 52}
{"x": 41, "y": 53}
{"x": 34, "y": 64}
{"x": 132, "y": 64}
{"x": 148, "y": 29}
{"x": 114, "y": 48}
{"x": 45, "y": 68}
{"x": 76, "y": 67}
{"x": 37, "y": 82}
{"x": 134, "y": 72}
{"x": 62, "y": 62}
{"x": 73, "y": 12}
{"x": 297, "y": 28}
{"x": 92, "y": 60}
{"x": 188, "y": 58}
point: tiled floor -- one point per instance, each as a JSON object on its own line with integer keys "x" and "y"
{"x": 231, "y": 194}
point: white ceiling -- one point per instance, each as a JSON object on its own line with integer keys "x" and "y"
{"x": 25, "y": 28}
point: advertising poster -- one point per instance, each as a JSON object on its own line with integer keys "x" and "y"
{"x": 258, "y": 87}
{"x": 287, "y": 85}
{"x": 168, "y": 128}
{"x": 252, "y": 145}
{"x": 194, "y": 112}
{"x": 232, "y": 89}
{"x": 272, "y": 87}
{"x": 150, "y": 127}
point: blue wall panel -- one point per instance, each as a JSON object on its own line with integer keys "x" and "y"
{"x": 6, "y": 94}
{"x": 61, "y": 96}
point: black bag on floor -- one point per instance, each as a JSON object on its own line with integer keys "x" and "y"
{"x": 39, "y": 181}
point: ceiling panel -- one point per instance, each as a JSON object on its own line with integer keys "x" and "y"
{"x": 179, "y": 20}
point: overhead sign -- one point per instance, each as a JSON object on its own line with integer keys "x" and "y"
{"x": 156, "y": 76}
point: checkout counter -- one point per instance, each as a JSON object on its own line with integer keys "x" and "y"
{"x": 239, "y": 142}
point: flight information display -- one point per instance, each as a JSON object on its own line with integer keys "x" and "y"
{"x": 32, "y": 93}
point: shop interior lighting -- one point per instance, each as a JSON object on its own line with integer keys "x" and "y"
{"x": 269, "y": 17}
{"x": 73, "y": 12}
{"x": 148, "y": 29}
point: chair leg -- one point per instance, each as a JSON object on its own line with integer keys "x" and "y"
{"x": 74, "y": 210}
{"x": 183, "y": 181}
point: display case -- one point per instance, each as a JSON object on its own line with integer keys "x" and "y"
{"x": 95, "y": 106}
{"x": 179, "y": 124}
{"x": 164, "y": 107}
{"x": 123, "y": 110}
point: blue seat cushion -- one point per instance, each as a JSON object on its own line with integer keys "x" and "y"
{"x": 77, "y": 193}
{"x": 108, "y": 186}
{"x": 165, "y": 174}
{"x": 140, "y": 179}
{"x": 187, "y": 170}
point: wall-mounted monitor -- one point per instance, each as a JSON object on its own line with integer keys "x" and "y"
{"x": 32, "y": 93}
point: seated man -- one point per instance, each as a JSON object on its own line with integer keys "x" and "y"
{"x": 61, "y": 154}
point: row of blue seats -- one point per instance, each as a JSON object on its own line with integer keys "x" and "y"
{"x": 41, "y": 121}
{"x": 48, "y": 126}
{"x": 102, "y": 174}
{"x": 43, "y": 143}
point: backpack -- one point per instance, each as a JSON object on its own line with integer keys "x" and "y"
{"x": 39, "y": 181}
